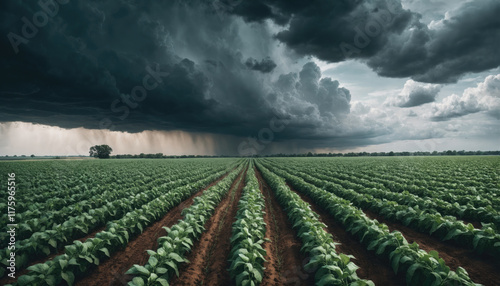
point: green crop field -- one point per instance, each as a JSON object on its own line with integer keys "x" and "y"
{"x": 239, "y": 221}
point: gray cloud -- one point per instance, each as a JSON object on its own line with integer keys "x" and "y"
{"x": 393, "y": 41}
{"x": 309, "y": 99}
{"x": 87, "y": 65}
{"x": 461, "y": 43}
{"x": 200, "y": 64}
{"x": 415, "y": 94}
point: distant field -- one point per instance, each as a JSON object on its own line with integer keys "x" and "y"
{"x": 274, "y": 221}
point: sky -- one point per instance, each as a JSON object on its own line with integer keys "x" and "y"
{"x": 241, "y": 77}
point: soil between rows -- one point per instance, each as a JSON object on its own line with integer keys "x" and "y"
{"x": 283, "y": 253}
{"x": 208, "y": 259}
{"x": 8, "y": 280}
{"x": 112, "y": 271}
{"x": 481, "y": 268}
{"x": 273, "y": 263}
{"x": 371, "y": 266}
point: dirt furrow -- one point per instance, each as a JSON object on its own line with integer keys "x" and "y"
{"x": 371, "y": 266}
{"x": 283, "y": 253}
{"x": 481, "y": 268}
{"x": 112, "y": 271}
{"x": 273, "y": 262}
{"x": 208, "y": 258}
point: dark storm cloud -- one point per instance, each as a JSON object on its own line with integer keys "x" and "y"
{"x": 151, "y": 66}
{"x": 266, "y": 65}
{"x": 393, "y": 41}
{"x": 94, "y": 59}
{"x": 184, "y": 65}
{"x": 326, "y": 28}
{"x": 466, "y": 41}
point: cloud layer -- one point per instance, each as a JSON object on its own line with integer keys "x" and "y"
{"x": 230, "y": 68}
{"x": 135, "y": 66}
{"x": 391, "y": 40}
{"x": 485, "y": 97}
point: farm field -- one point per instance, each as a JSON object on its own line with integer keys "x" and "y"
{"x": 266, "y": 221}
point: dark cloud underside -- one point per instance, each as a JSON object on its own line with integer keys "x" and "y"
{"x": 134, "y": 66}
{"x": 217, "y": 67}
{"x": 393, "y": 41}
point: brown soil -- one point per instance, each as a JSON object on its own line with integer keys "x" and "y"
{"x": 209, "y": 256}
{"x": 273, "y": 262}
{"x": 481, "y": 268}
{"x": 371, "y": 266}
{"x": 112, "y": 271}
{"x": 284, "y": 259}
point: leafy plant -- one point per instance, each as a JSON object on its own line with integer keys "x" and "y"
{"x": 248, "y": 235}
{"x": 164, "y": 262}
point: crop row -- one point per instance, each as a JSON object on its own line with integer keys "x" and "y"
{"x": 165, "y": 261}
{"x": 60, "y": 180}
{"x": 247, "y": 255}
{"x": 412, "y": 177}
{"x": 429, "y": 205}
{"x": 42, "y": 243}
{"x": 421, "y": 268}
{"x": 484, "y": 240}
{"x": 40, "y": 220}
{"x": 80, "y": 257}
{"x": 471, "y": 198}
{"x": 330, "y": 267}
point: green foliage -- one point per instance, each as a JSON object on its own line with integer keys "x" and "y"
{"x": 79, "y": 257}
{"x": 421, "y": 268}
{"x": 407, "y": 209}
{"x": 247, "y": 253}
{"x": 166, "y": 261}
{"x": 330, "y": 267}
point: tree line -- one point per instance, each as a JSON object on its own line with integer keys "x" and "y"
{"x": 391, "y": 153}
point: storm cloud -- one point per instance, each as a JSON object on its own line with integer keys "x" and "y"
{"x": 391, "y": 40}
{"x": 135, "y": 66}
{"x": 229, "y": 67}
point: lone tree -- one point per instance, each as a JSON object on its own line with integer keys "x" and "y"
{"x": 100, "y": 151}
